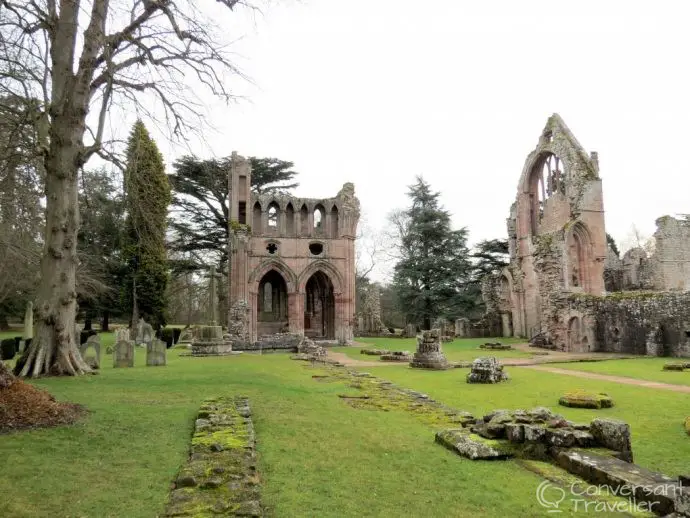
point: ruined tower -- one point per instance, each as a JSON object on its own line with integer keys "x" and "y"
{"x": 292, "y": 260}
{"x": 557, "y": 241}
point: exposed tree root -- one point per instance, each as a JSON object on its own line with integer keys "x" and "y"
{"x": 51, "y": 355}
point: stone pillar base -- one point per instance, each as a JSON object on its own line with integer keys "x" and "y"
{"x": 436, "y": 361}
{"x": 212, "y": 349}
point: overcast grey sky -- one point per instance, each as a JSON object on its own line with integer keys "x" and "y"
{"x": 378, "y": 91}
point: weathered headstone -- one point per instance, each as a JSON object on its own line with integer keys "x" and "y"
{"x": 92, "y": 360}
{"x": 123, "y": 354}
{"x": 122, "y": 333}
{"x": 145, "y": 333}
{"x": 78, "y": 328}
{"x": 156, "y": 353}
{"x": 429, "y": 354}
{"x": 29, "y": 321}
{"x": 486, "y": 370}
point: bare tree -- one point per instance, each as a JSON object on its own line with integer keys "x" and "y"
{"x": 368, "y": 250}
{"x": 395, "y": 232}
{"x": 638, "y": 239}
{"x": 70, "y": 58}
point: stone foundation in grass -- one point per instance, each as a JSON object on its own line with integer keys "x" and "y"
{"x": 374, "y": 352}
{"x": 220, "y": 478}
{"x": 584, "y": 399}
{"x": 496, "y": 346}
{"x": 675, "y": 366}
{"x": 397, "y": 356}
{"x": 539, "y": 433}
{"x": 380, "y": 394}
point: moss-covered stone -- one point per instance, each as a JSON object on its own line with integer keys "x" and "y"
{"x": 686, "y": 424}
{"x": 382, "y": 395}
{"x": 473, "y": 446}
{"x": 584, "y": 399}
{"x": 220, "y": 477}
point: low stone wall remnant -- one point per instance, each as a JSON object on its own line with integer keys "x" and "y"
{"x": 220, "y": 478}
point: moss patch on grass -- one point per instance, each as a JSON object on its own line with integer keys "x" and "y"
{"x": 585, "y": 399}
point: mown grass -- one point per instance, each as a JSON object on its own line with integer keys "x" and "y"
{"x": 655, "y": 416}
{"x": 650, "y": 369}
{"x": 318, "y": 456}
{"x": 465, "y": 349}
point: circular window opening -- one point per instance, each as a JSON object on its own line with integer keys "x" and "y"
{"x": 316, "y": 248}
{"x": 272, "y": 248}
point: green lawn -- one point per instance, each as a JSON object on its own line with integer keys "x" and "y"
{"x": 641, "y": 368}
{"x": 318, "y": 456}
{"x": 655, "y": 416}
{"x": 465, "y": 349}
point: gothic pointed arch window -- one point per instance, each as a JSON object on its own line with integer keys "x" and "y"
{"x": 319, "y": 217}
{"x": 547, "y": 178}
{"x": 579, "y": 258}
{"x": 273, "y": 215}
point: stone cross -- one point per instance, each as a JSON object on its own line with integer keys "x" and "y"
{"x": 212, "y": 303}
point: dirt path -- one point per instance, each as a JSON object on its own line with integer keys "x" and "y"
{"x": 615, "y": 379}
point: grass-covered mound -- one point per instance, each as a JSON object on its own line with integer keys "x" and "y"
{"x": 24, "y": 406}
{"x": 584, "y": 399}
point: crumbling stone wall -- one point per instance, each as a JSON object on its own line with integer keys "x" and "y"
{"x": 643, "y": 322}
{"x": 561, "y": 266}
{"x": 672, "y": 253}
{"x": 556, "y": 236}
{"x": 666, "y": 268}
{"x": 303, "y": 246}
{"x": 613, "y": 271}
{"x": 369, "y": 317}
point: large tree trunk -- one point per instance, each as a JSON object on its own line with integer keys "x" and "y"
{"x": 105, "y": 321}
{"x": 54, "y": 349}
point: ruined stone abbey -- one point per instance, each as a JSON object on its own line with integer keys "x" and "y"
{"x": 292, "y": 262}
{"x": 565, "y": 288}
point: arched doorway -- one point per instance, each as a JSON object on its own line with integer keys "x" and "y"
{"x": 319, "y": 307}
{"x": 272, "y": 306}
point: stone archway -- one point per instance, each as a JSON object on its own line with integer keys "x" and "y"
{"x": 272, "y": 304}
{"x": 319, "y": 307}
